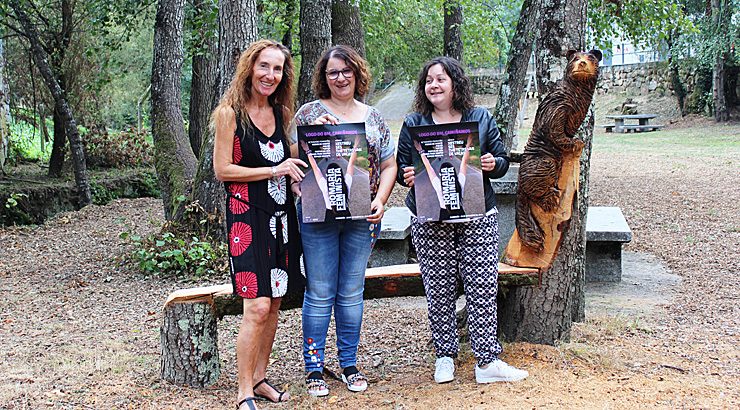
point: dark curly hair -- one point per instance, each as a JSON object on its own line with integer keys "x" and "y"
{"x": 354, "y": 60}
{"x": 462, "y": 92}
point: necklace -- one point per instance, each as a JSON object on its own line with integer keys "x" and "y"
{"x": 342, "y": 110}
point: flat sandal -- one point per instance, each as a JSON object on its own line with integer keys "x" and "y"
{"x": 249, "y": 401}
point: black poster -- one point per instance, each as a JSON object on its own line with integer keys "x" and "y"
{"x": 448, "y": 180}
{"x": 337, "y": 182}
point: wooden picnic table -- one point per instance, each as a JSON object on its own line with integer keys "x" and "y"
{"x": 642, "y": 125}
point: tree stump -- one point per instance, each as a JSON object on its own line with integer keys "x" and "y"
{"x": 189, "y": 343}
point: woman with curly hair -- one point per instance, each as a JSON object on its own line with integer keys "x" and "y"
{"x": 458, "y": 248}
{"x": 337, "y": 250}
{"x": 252, "y": 157}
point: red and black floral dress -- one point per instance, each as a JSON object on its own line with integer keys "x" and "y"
{"x": 264, "y": 246}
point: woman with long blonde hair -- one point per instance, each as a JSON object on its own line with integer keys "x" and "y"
{"x": 252, "y": 157}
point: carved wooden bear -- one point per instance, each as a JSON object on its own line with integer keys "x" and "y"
{"x": 558, "y": 118}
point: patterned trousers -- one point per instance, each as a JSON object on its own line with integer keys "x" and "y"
{"x": 468, "y": 250}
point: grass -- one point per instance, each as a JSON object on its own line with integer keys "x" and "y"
{"x": 718, "y": 141}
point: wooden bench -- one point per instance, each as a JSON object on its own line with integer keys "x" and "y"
{"x": 189, "y": 336}
{"x": 606, "y": 231}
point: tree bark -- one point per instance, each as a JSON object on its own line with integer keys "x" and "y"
{"x": 453, "y": 19}
{"x": 174, "y": 161}
{"x": 289, "y": 17}
{"x": 57, "y": 46}
{"x": 346, "y": 25}
{"x": 315, "y": 36}
{"x": 237, "y": 30}
{"x": 41, "y": 58}
{"x": 56, "y": 160}
{"x": 4, "y": 111}
{"x": 189, "y": 344}
{"x": 512, "y": 86}
{"x": 545, "y": 314}
{"x": 203, "y": 85}
{"x": 678, "y": 89}
{"x": 720, "y": 20}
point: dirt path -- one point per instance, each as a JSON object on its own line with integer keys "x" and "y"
{"x": 77, "y": 331}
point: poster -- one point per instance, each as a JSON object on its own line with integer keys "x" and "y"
{"x": 448, "y": 180}
{"x": 337, "y": 181}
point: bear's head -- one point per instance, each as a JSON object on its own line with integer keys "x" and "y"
{"x": 583, "y": 66}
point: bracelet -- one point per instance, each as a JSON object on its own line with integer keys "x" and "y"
{"x": 294, "y": 182}
{"x": 274, "y": 171}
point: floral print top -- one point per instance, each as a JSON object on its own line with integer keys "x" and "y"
{"x": 380, "y": 146}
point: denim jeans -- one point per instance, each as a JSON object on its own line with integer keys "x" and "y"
{"x": 335, "y": 255}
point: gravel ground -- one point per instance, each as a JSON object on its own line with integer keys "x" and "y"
{"x": 78, "y": 331}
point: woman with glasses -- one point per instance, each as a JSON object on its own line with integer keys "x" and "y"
{"x": 336, "y": 251}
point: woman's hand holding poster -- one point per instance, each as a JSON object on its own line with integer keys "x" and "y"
{"x": 337, "y": 182}
{"x": 448, "y": 179}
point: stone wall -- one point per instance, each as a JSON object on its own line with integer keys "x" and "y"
{"x": 633, "y": 79}
{"x": 642, "y": 79}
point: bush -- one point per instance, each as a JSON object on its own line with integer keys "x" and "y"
{"x": 127, "y": 148}
{"x": 25, "y": 144}
{"x": 163, "y": 254}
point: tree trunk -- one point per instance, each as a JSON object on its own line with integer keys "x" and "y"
{"x": 41, "y": 58}
{"x": 203, "y": 86}
{"x": 720, "y": 20}
{"x": 237, "y": 30}
{"x": 346, "y": 25}
{"x": 545, "y": 314}
{"x": 4, "y": 111}
{"x": 289, "y": 17}
{"x": 315, "y": 36}
{"x": 453, "y": 20}
{"x": 189, "y": 344}
{"x": 174, "y": 161}
{"x": 512, "y": 86}
{"x": 56, "y": 161}
{"x": 678, "y": 89}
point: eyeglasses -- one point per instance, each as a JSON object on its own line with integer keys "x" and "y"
{"x": 334, "y": 74}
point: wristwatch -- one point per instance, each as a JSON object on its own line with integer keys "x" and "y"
{"x": 274, "y": 171}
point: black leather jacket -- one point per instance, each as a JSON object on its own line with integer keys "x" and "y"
{"x": 490, "y": 141}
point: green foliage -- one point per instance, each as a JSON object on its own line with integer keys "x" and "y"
{"x": 401, "y": 35}
{"x": 14, "y": 210}
{"x": 487, "y": 30}
{"x": 276, "y": 18}
{"x": 99, "y": 29}
{"x": 127, "y": 148}
{"x": 129, "y": 70}
{"x": 12, "y": 200}
{"x": 166, "y": 255}
{"x": 25, "y": 143}
{"x": 648, "y": 22}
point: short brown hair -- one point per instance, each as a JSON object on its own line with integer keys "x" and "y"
{"x": 354, "y": 60}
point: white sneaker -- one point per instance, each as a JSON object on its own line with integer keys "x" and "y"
{"x": 444, "y": 370}
{"x": 499, "y": 371}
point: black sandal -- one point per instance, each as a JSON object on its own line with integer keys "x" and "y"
{"x": 249, "y": 401}
{"x": 350, "y": 376}
{"x": 315, "y": 385}
{"x": 263, "y": 397}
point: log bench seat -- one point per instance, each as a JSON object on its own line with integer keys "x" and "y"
{"x": 606, "y": 231}
{"x": 189, "y": 337}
